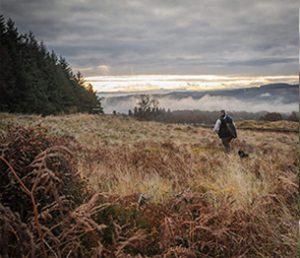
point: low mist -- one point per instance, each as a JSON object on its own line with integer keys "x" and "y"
{"x": 207, "y": 102}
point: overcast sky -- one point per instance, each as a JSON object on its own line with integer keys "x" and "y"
{"x": 127, "y": 37}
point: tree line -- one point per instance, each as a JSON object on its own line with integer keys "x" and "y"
{"x": 36, "y": 81}
{"x": 148, "y": 109}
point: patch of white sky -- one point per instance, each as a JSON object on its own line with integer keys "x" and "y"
{"x": 140, "y": 83}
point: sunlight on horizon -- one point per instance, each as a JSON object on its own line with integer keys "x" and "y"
{"x": 140, "y": 83}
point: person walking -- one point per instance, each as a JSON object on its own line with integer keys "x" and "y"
{"x": 226, "y": 130}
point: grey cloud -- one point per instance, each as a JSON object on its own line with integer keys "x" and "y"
{"x": 152, "y": 36}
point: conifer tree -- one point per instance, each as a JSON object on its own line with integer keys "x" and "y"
{"x": 33, "y": 80}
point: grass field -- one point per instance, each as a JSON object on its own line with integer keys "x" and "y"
{"x": 275, "y": 126}
{"x": 199, "y": 201}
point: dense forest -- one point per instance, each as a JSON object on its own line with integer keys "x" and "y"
{"x": 36, "y": 81}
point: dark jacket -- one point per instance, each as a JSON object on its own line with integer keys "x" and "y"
{"x": 224, "y": 132}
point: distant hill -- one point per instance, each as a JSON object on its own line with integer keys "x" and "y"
{"x": 280, "y": 97}
{"x": 288, "y": 91}
{"x": 278, "y": 86}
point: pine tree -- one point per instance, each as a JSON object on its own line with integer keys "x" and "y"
{"x": 33, "y": 80}
{"x": 2, "y": 27}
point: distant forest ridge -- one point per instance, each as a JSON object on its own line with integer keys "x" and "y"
{"x": 279, "y": 97}
{"x": 36, "y": 81}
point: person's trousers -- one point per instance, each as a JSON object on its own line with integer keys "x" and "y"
{"x": 226, "y": 142}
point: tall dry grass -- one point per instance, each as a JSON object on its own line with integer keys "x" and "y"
{"x": 198, "y": 201}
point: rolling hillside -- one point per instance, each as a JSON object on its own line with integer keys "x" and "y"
{"x": 280, "y": 97}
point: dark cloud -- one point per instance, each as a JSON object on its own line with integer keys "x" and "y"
{"x": 251, "y": 37}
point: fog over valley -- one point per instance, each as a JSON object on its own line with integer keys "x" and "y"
{"x": 283, "y": 98}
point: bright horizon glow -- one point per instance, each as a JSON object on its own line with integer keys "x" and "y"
{"x": 141, "y": 83}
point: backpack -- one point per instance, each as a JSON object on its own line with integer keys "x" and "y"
{"x": 230, "y": 127}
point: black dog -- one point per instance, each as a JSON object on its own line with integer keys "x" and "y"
{"x": 243, "y": 154}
